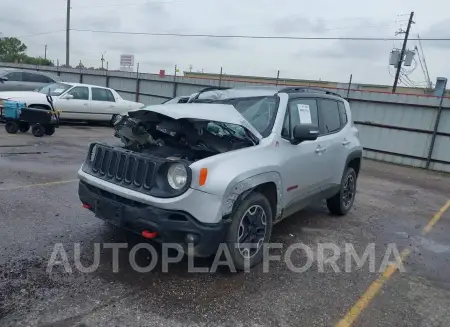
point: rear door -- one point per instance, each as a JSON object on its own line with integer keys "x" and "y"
{"x": 36, "y": 80}
{"x": 332, "y": 138}
{"x": 103, "y": 104}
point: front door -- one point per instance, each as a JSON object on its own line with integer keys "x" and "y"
{"x": 304, "y": 166}
{"x": 75, "y": 107}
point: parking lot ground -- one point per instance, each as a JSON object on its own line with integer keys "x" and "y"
{"x": 39, "y": 208}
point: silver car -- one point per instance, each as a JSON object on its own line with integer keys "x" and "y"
{"x": 19, "y": 80}
{"x": 202, "y": 174}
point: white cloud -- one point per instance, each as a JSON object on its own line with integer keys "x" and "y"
{"x": 328, "y": 60}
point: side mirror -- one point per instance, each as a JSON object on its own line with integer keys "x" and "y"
{"x": 304, "y": 132}
{"x": 67, "y": 96}
{"x": 3, "y": 79}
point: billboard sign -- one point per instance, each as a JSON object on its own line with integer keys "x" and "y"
{"x": 126, "y": 60}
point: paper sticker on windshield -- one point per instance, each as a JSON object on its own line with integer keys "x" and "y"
{"x": 304, "y": 114}
{"x": 58, "y": 90}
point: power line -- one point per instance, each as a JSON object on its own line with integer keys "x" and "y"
{"x": 43, "y": 33}
{"x": 259, "y": 36}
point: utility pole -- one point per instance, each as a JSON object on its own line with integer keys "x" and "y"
{"x": 402, "y": 53}
{"x": 45, "y": 52}
{"x": 68, "y": 33}
{"x": 102, "y": 60}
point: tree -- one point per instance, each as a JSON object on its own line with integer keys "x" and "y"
{"x": 12, "y": 49}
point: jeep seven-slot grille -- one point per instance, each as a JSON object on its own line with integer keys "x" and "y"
{"x": 121, "y": 167}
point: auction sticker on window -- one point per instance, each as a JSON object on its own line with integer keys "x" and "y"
{"x": 304, "y": 113}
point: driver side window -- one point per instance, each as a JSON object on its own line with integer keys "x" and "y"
{"x": 79, "y": 93}
{"x": 301, "y": 111}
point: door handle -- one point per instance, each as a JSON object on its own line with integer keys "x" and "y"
{"x": 320, "y": 149}
{"x": 346, "y": 142}
{"x": 85, "y": 104}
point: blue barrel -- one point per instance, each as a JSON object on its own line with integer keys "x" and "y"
{"x": 11, "y": 109}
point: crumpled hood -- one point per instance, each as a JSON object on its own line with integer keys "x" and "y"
{"x": 224, "y": 113}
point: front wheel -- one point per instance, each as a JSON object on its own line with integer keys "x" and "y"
{"x": 49, "y": 130}
{"x": 342, "y": 202}
{"x": 38, "y": 130}
{"x": 250, "y": 228}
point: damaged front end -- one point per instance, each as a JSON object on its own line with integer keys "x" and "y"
{"x": 157, "y": 150}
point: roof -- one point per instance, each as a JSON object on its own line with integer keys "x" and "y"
{"x": 82, "y": 84}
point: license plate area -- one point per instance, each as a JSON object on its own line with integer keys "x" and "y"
{"x": 109, "y": 211}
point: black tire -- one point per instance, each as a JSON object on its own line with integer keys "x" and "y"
{"x": 38, "y": 130}
{"x": 240, "y": 214}
{"x": 12, "y": 127}
{"x": 49, "y": 130}
{"x": 24, "y": 127}
{"x": 342, "y": 202}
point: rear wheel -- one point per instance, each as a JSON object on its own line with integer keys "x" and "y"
{"x": 250, "y": 228}
{"x": 24, "y": 127}
{"x": 342, "y": 202}
{"x": 38, "y": 130}
{"x": 12, "y": 127}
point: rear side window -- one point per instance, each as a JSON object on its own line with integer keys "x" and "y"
{"x": 37, "y": 78}
{"x": 301, "y": 111}
{"x": 99, "y": 94}
{"x": 342, "y": 114}
{"x": 329, "y": 114}
{"x": 15, "y": 77}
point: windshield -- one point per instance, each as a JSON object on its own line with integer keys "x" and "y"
{"x": 54, "y": 89}
{"x": 258, "y": 111}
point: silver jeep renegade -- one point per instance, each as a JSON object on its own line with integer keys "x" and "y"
{"x": 224, "y": 167}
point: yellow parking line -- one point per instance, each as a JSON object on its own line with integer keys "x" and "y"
{"x": 375, "y": 287}
{"x": 37, "y": 185}
{"x": 435, "y": 218}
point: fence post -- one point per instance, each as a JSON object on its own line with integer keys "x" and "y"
{"x": 81, "y": 75}
{"x": 220, "y": 78}
{"x": 435, "y": 129}
{"x": 349, "y": 85}
{"x": 175, "y": 82}
{"x": 107, "y": 75}
{"x": 278, "y": 78}
{"x": 138, "y": 83}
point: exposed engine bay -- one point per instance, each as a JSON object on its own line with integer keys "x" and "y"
{"x": 189, "y": 139}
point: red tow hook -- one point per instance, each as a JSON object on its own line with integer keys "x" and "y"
{"x": 86, "y": 206}
{"x": 148, "y": 234}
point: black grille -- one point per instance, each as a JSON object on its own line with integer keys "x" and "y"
{"x": 121, "y": 167}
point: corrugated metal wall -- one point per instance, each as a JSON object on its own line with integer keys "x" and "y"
{"x": 396, "y": 128}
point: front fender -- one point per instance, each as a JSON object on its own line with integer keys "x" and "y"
{"x": 237, "y": 188}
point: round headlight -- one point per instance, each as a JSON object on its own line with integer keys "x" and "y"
{"x": 177, "y": 176}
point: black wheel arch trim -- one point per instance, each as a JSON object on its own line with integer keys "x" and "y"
{"x": 355, "y": 154}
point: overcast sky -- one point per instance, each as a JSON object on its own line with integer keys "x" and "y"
{"x": 304, "y": 59}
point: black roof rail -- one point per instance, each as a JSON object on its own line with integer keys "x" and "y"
{"x": 206, "y": 89}
{"x": 307, "y": 89}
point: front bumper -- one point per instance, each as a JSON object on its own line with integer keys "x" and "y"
{"x": 171, "y": 226}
